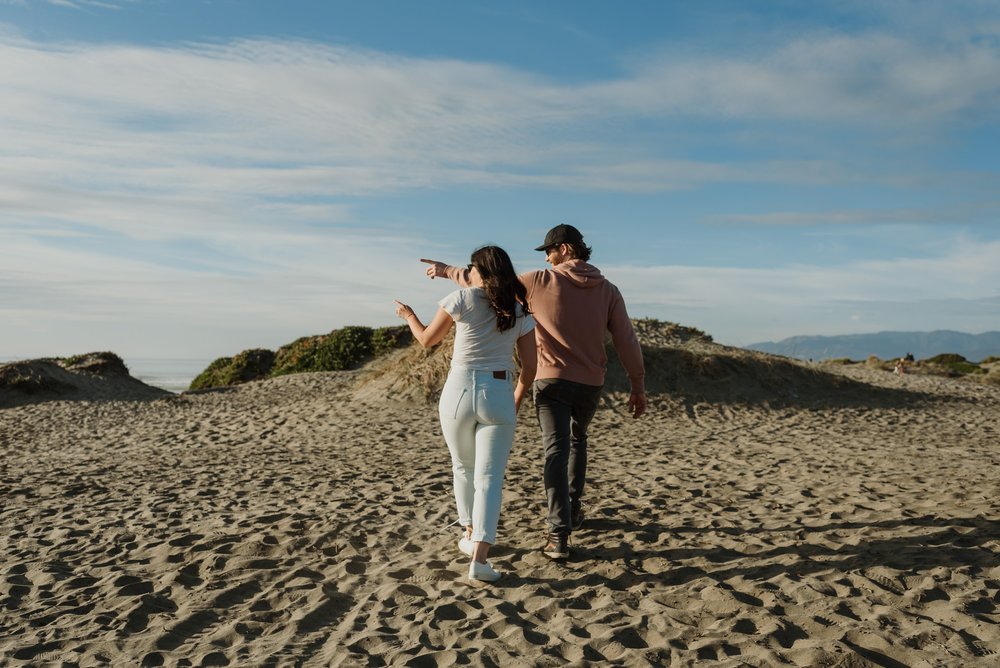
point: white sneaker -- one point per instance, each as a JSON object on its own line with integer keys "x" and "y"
{"x": 466, "y": 545}
{"x": 482, "y": 572}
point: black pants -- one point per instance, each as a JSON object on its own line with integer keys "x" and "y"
{"x": 564, "y": 410}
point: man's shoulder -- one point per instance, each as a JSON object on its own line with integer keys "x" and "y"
{"x": 535, "y": 277}
{"x": 532, "y": 275}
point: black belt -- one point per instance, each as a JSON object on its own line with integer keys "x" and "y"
{"x": 500, "y": 375}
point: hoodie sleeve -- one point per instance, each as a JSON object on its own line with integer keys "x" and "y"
{"x": 458, "y": 274}
{"x": 626, "y": 343}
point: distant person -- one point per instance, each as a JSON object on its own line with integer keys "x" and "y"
{"x": 903, "y": 362}
{"x": 479, "y": 401}
{"x": 574, "y": 307}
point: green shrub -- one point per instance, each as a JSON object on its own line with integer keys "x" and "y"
{"x": 212, "y": 375}
{"x": 248, "y": 365}
{"x": 344, "y": 349}
{"x": 990, "y": 360}
{"x": 951, "y": 365}
{"x": 946, "y": 358}
{"x": 103, "y": 363}
{"x": 964, "y": 368}
{"x": 341, "y": 349}
{"x": 253, "y": 364}
{"x": 387, "y": 339}
{"x": 842, "y": 361}
{"x": 297, "y": 356}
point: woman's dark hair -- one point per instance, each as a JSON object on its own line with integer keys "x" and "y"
{"x": 500, "y": 284}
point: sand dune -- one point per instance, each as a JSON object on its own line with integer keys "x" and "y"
{"x": 304, "y": 521}
{"x": 91, "y": 377}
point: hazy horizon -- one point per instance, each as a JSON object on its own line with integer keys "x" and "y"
{"x": 7, "y": 357}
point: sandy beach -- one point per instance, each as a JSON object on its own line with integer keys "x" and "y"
{"x": 304, "y": 521}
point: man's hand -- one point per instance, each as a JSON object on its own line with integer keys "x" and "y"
{"x": 637, "y": 404}
{"x": 436, "y": 269}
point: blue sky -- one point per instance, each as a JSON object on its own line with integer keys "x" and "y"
{"x": 191, "y": 178}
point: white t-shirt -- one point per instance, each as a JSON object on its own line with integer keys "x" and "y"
{"x": 478, "y": 344}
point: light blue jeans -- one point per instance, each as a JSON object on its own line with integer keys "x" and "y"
{"x": 478, "y": 419}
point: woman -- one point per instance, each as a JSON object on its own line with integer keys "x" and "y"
{"x": 479, "y": 401}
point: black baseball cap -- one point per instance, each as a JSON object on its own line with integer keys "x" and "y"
{"x": 561, "y": 234}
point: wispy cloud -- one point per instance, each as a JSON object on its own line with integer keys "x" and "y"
{"x": 743, "y": 305}
{"x": 292, "y": 119}
{"x": 965, "y": 214}
{"x": 869, "y": 78}
{"x": 80, "y": 4}
{"x": 72, "y": 4}
{"x": 127, "y": 136}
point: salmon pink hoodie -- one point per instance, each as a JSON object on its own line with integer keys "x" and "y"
{"x": 573, "y": 306}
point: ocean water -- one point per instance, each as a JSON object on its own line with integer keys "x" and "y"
{"x": 173, "y": 375}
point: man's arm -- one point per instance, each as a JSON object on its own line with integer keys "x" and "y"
{"x": 630, "y": 353}
{"x": 527, "y": 353}
{"x": 442, "y": 270}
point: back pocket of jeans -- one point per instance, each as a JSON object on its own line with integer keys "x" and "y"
{"x": 495, "y": 406}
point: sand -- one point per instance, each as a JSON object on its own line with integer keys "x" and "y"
{"x": 288, "y": 522}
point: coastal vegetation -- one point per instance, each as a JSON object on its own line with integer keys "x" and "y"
{"x": 341, "y": 349}
{"x": 950, "y": 365}
{"x": 354, "y": 346}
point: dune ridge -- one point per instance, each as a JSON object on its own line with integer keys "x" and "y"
{"x": 90, "y": 377}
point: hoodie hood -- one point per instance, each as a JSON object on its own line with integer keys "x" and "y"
{"x": 581, "y": 273}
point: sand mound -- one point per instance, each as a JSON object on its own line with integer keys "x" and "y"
{"x": 413, "y": 374}
{"x": 680, "y": 361}
{"x": 90, "y": 377}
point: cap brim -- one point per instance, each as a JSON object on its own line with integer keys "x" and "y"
{"x": 541, "y": 248}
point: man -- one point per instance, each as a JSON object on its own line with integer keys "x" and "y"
{"x": 573, "y": 306}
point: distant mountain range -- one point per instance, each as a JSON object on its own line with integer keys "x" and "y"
{"x": 886, "y": 345}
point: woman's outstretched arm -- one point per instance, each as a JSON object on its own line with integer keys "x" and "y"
{"x": 432, "y": 334}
